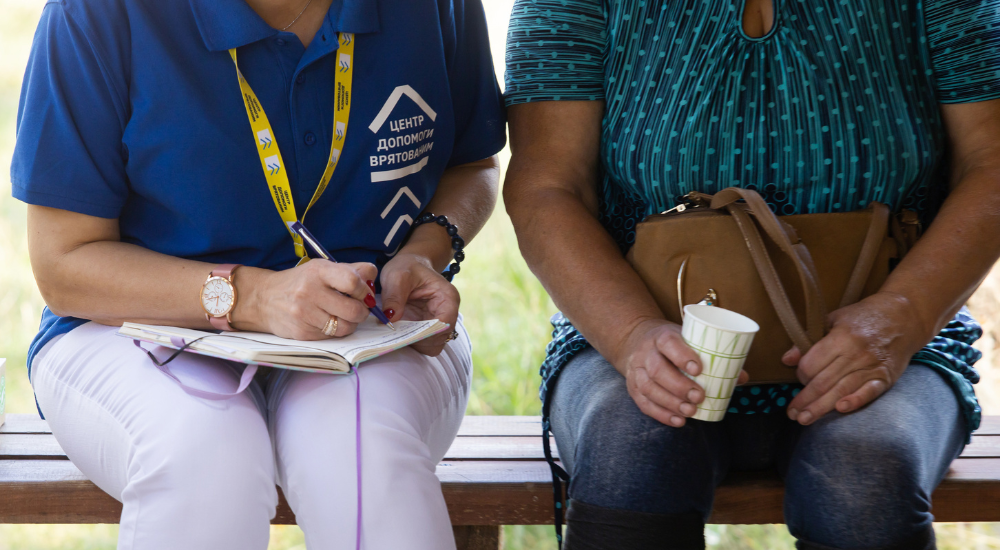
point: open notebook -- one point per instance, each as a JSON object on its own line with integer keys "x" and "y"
{"x": 371, "y": 340}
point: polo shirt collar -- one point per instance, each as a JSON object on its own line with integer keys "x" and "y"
{"x": 226, "y": 24}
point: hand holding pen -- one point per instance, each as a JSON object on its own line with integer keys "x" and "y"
{"x": 317, "y": 250}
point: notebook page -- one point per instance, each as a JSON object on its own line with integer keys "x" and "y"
{"x": 371, "y": 339}
{"x": 370, "y": 335}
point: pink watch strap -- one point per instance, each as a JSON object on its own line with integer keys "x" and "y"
{"x": 220, "y": 323}
{"x": 226, "y": 272}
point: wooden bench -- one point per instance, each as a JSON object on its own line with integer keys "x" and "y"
{"x": 493, "y": 475}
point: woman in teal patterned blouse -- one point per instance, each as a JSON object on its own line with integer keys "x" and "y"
{"x": 616, "y": 108}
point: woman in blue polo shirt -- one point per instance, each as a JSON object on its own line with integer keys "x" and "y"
{"x": 163, "y": 143}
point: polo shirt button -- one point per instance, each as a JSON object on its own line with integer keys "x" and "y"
{"x": 300, "y": 79}
{"x": 280, "y": 41}
{"x": 310, "y": 138}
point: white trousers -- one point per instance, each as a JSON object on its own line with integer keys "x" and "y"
{"x": 199, "y": 474}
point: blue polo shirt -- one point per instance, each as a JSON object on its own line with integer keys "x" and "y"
{"x": 132, "y": 110}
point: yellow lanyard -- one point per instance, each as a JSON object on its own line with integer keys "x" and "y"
{"x": 267, "y": 146}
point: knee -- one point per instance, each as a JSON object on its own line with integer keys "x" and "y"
{"x": 853, "y": 486}
{"x": 220, "y": 467}
{"x": 626, "y": 460}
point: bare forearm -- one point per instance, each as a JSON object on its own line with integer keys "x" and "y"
{"x": 83, "y": 270}
{"x": 955, "y": 254}
{"x": 578, "y": 263}
{"x": 113, "y": 282}
{"x": 466, "y": 194}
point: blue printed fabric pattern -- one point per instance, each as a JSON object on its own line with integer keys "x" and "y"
{"x": 835, "y": 107}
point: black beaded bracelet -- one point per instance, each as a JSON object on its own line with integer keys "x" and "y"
{"x": 457, "y": 243}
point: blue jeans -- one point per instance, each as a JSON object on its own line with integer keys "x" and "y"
{"x": 857, "y": 481}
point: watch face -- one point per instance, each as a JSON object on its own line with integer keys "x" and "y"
{"x": 217, "y": 296}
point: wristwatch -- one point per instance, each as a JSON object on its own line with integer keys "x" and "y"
{"x": 218, "y": 296}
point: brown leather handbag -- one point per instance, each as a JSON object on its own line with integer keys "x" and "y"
{"x": 711, "y": 248}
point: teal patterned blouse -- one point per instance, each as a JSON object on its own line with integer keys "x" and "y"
{"x": 835, "y": 107}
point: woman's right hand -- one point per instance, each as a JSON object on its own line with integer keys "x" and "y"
{"x": 651, "y": 358}
{"x": 298, "y": 302}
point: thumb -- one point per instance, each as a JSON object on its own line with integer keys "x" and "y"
{"x": 744, "y": 377}
{"x": 396, "y": 287}
{"x": 792, "y": 357}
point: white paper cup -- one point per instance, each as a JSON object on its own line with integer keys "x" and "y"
{"x": 722, "y": 339}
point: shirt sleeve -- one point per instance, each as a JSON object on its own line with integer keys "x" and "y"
{"x": 964, "y": 38}
{"x": 555, "y": 51}
{"x": 480, "y": 121}
{"x": 69, "y": 153}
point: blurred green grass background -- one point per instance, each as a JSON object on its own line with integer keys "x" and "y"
{"x": 505, "y": 308}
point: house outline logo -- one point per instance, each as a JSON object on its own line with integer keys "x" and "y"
{"x": 394, "y": 98}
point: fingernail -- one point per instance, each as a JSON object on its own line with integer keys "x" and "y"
{"x": 694, "y": 396}
{"x": 389, "y": 312}
{"x": 793, "y": 414}
{"x": 688, "y": 409}
{"x": 805, "y": 418}
{"x": 370, "y": 301}
{"x": 692, "y": 368}
{"x": 371, "y": 285}
{"x": 677, "y": 421}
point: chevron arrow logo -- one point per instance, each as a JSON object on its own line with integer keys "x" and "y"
{"x": 394, "y": 98}
{"x": 399, "y": 194}
{"x": 341, "y": 129}
{"x": 347, "y": 38}
{"x": 345, "y": 62}
{"x": 273, "y": 164}
{"x": 264, "y": 136}
{"x": 395, "y": 227}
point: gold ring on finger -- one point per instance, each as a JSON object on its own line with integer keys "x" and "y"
{"x": 330, "y": 328}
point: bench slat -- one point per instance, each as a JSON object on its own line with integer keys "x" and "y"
{"x": 24, "y": 424}
{"x": 45, "y": 446}
{"x": 501, "y": 426}
{"x": 27, "y": 446}
{"x": 477, "y": 493}
{"x": 493, "y": 475}
{"x": 989, "y": 426}
{"x": 41, "y": 446}
{"x": 482, "y": 426}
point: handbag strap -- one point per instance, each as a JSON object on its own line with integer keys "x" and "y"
{"x": 869, "y": 253}
{"x": 803, "y": 338}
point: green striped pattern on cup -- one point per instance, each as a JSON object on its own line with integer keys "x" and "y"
{"x": 722, "y": 353}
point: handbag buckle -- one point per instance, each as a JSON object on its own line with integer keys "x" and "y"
{"x": 710, "y": 299}
{"x": 693, "y": 199}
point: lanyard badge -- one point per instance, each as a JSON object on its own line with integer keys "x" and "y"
{"x": 267, "y": 145}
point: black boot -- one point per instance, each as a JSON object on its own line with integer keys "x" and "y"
{"x": 923, "y": 540}
{"x": 590, "y": 527}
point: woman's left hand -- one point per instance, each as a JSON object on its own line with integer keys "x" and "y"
{"x": 866, "y": 350}
{"x": 414, "y": 291}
